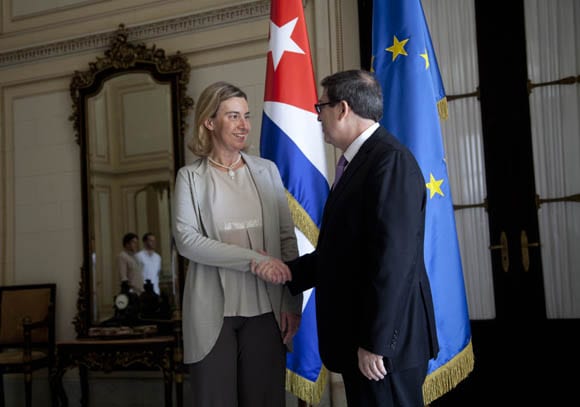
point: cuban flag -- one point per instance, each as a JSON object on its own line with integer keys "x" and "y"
{"x": 291, "y": 136}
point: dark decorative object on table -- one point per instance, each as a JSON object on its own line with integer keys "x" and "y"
{"x": 149, "y": 300}
{"x": 126, "y": 305}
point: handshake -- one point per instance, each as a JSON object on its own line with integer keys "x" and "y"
{"x": 273, "y": 271}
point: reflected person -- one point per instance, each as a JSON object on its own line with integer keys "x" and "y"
{"x": 150, "y": 260}
{"x": 128, "y": 266}
{"x": 230, "y": 209}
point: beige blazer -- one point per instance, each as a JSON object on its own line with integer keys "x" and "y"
{"x": 196, "y": 238}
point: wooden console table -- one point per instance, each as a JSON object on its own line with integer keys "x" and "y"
{"x": 107, "y": 355}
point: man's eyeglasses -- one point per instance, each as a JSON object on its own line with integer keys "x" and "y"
{"x": 318, "y": 106}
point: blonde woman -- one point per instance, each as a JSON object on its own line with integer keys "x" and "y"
{"x": 230, "y": 210}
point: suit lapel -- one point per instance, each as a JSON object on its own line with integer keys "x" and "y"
{"x": 201, "y": 177}
{"x": 261, "y": 178}
{"x": 350, "y": 174}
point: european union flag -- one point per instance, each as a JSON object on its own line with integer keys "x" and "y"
{"x": 414, "y": 99}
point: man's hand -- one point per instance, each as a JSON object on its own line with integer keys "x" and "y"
{"x": 273, "y": 270}
{"x": 371, "y": 366}
{"x": 290, "y": 324}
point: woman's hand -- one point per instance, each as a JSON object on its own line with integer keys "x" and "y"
{"x": 273, "y": 270}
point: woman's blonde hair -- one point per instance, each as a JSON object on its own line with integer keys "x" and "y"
{"x": 207, "y": 106}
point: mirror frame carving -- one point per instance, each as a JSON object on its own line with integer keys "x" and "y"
{"x": 124, "y": 57}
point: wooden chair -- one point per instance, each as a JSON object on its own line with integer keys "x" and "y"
{"x": 27, "y": 333}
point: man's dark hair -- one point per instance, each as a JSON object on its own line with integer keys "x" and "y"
{"x": 128, "y": 237}
{"x": 359, "y": 88}
{"x": 146, "y": 236}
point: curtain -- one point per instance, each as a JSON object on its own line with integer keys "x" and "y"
{"x": 452, "y": 27}
{"x": 553, "y": 51}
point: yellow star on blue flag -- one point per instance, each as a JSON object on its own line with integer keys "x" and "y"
{"x": 425, "y": 56}
{"x": 398, "y": 47}
{"x": 434, "y": 186}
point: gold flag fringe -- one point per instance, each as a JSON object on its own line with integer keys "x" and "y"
{"x": 443, "y": 109}
{"x": 449, "y": 375}
{"x": 302, "y": 220}
{"x": 304, "y": 389}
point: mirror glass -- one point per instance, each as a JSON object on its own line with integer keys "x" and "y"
{"x": 129, "y": 111}
{"x": 131, "y": 167}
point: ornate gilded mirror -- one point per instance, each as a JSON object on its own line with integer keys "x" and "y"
{"x": 129, "y": 113}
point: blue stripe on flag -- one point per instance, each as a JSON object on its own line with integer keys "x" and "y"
{"x": 305, "y": 360}
{"x": 308, "y": 186}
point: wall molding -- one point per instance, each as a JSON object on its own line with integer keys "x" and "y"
{"x": 187, "y": 24}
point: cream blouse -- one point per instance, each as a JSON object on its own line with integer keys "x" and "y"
{"x": 237, "y": 213}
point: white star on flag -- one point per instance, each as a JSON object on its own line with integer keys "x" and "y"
{"x": 281, "y": 42}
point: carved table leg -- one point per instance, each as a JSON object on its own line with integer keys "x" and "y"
{"x": 57, "y": 388}
{"x": 179, "y": 388}
{"x": 168, "y": 381}
{"x": 84, "y": 376}
{"x": 53, "y": 389}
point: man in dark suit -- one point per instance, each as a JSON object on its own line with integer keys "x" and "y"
{"x": 376, "y": 323}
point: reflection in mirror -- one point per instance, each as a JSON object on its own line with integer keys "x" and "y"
{"x": 131, "y": 167}
{"x": 153, "y": 213}
{"x": 129, "y": 112}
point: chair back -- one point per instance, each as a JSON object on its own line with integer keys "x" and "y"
{"x": 36, "y": 302}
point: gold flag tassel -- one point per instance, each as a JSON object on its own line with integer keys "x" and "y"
{"x": 449, "y": 375}
{"x": 443, "y": 109}
{"x": 304, "y": 389}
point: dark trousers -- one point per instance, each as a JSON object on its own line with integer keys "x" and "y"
{"x": 398, "y": 389}
{"x": 245, "y": 368}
